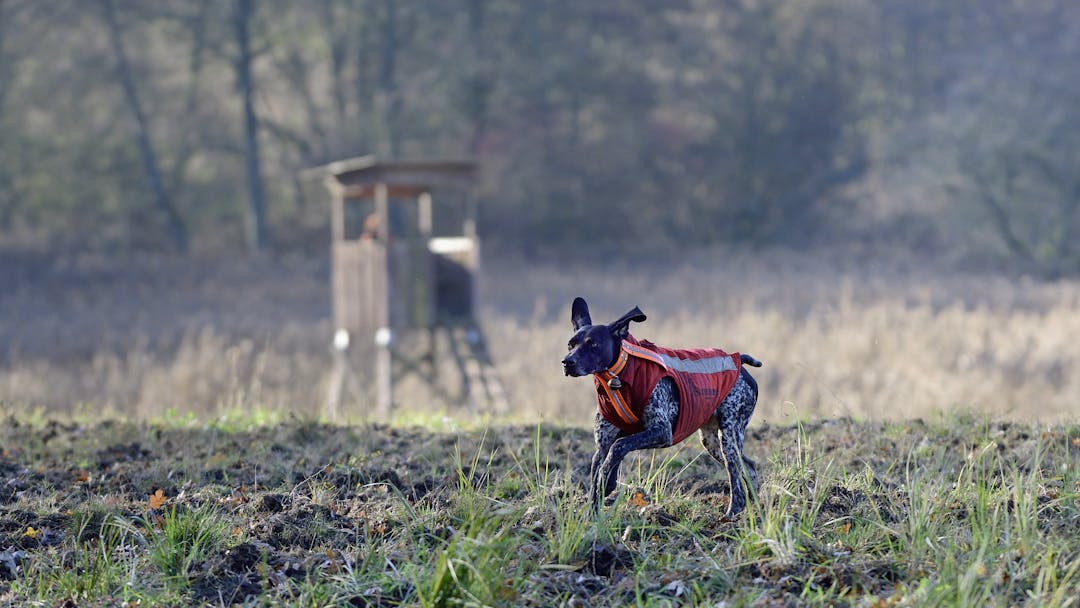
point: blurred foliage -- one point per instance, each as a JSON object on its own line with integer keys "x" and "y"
{"x": 646, "y": 121}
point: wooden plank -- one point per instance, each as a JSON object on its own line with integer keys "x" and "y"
{"x": 345, "y": 285}
{"x": 337, "y": 210}
{"x": 359, "y": 286}
{"x": 371, "y": 167}
{"x": 382, "y": 210}
{"x": 367, "y": 191}
{"x": 405, "y": 173}
{"x": 411, "y": 284}
{"x": 424, "y": 214}
{"x": 376, "y": 286}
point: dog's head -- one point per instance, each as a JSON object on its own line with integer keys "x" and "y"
{"x": 593, "y": 348}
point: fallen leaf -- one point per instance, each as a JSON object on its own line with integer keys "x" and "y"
{"x": 157, "y": 499}
{"x": 237, "y": 498}
{"x": 639, "y": 499}
{"x": 31, "y": 532}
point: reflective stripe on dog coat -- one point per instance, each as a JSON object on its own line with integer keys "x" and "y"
{"x": 704, "y": 376}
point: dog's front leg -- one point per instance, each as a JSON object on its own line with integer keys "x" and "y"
{"x": 605, "y": 435}
{"x": 659, "y": 419}
{"x": 649, "y": 438}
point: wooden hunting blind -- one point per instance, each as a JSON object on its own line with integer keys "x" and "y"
{"x": 403, "y": 268}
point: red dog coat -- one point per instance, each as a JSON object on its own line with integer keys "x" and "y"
{"x": 704, "y": 377}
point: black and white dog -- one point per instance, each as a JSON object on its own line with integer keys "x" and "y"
{"x": 643, "y": 401}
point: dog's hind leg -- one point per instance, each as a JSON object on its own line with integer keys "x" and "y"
{"x": 732, "y": 439}
{"x": 751, "y": 470}
{"x": 723, "y": 437}
{"x": 739, "y": 406}
{"x": 724, "y": 452}
{"x": 748, "y": 400}
{"x": 724, "y": 444}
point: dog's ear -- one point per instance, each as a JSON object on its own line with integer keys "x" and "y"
{"x": 621, "y": 327}
{"x": 579, "y": 314}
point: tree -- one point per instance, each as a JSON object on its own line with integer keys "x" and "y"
{"x": 255, "y": 230}
{"x": 761, "y": 120}
{"x": 388, "y": 100}
{"x": 176, "y": 229}
{"x": 1005, "y": 145}
{"x": 6, "y": 182}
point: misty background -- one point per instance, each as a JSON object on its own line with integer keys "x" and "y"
{"x": 947, "y": 126}
{"x": 153, "y": 217}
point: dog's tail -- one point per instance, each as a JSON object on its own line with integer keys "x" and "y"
{"x": 748, "y": 360}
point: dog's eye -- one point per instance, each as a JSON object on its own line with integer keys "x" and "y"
{"x": 590, "y": 343}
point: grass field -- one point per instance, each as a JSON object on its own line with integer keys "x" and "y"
{"x": 957, "y": 511}
{"x": 205, "y": 381}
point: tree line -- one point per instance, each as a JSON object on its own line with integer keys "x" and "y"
{"x": 184, "y": 124}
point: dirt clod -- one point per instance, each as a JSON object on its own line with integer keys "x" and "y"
{"x": 272, "y": 503}
{"x": 604, "y": 559}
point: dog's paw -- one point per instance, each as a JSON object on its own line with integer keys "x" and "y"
{"x": 731, "y": 515}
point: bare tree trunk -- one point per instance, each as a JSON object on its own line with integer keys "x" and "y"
{"x": 296, "y": 71}
{"x": 187, "y": 145}
{"x": 5, "y": 71}
{"x": 175, "y": 225}
{"x": 6, "y": 183}
{"x": 195, "y": 62}
{"x": 479, "y": 82}
{"x": 255, "y": 218}
{"x": 336, "y": 42}
{"x": 388, "y": 97}
{"x": 365, "y": 57}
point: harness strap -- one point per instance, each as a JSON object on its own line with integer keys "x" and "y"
{"x": 643, "y": 353}
{"x": 621, "y": 407}
{"x": 620, "y": 363}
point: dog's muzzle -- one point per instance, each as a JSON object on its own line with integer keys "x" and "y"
{"x": 569, "y": 367}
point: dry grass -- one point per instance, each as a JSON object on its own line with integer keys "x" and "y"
{"x": 838, "y": 337}
{"x": 839, "y": 334}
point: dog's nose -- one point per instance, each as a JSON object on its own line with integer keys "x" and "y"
{"x": 567, "y": 365}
